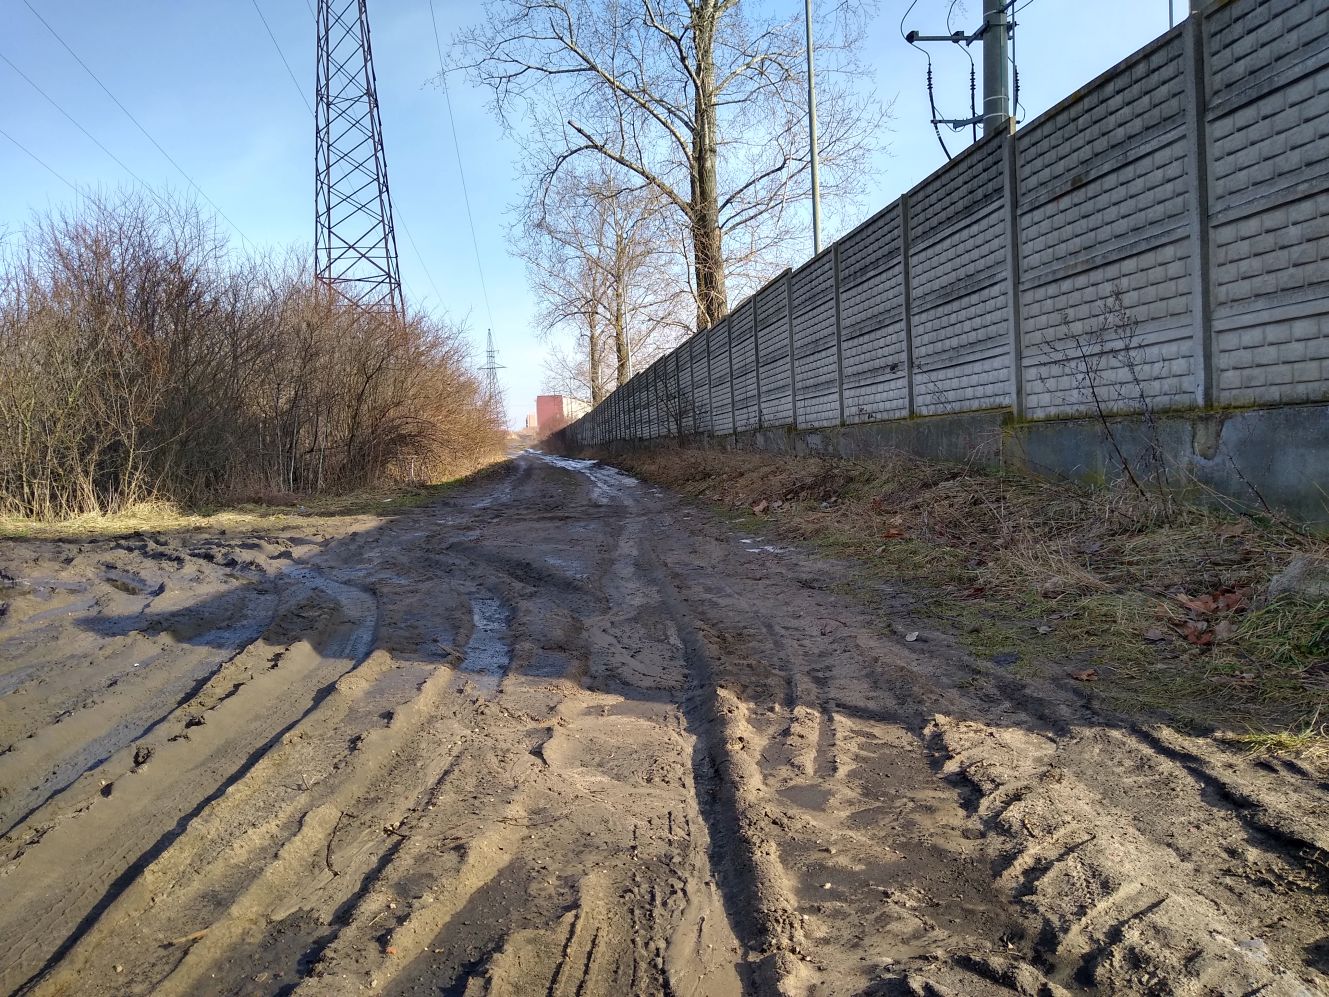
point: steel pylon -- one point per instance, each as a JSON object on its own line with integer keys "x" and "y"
{"x": 355, "y": 244}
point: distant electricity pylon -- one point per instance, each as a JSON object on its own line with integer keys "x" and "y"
{"x": 493, "y": 394}
{"x": 355, "y": 244}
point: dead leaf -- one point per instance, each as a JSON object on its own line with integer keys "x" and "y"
{"x": 1197, "y": 632}
{"x": 1234, "y": 601}
{"x": 1087, "y": 675}
{"x": 1223, "y": 630}
{"x": 1044, "y": 629}
{"x": 1154, "y": 635}
{"x": 761, "y": 507}
{"x": 892, "y": 534}
{"x": 911, "y": 636}
{"x": 1232, "y": 529}
{"x": 1202, "y": 604}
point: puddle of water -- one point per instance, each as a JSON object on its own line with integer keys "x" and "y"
{"x": 606, "y": 482}
{"x": 486, "y": 657}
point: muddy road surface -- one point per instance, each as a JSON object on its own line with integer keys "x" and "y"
{"x": 560, "y": 733}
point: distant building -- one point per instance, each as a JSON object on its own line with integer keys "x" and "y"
{"x": 532, "y": 421}
{"x": 553, "y": 412}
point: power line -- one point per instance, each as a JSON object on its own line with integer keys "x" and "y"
{"x": 56, "y": 104}
{"x": 202, "y": 193}
{"x": 423, "y": 266}
{"x": 456, "y": 145}
{"x": 41, "y": 162}
{"x": 282, "y": 55}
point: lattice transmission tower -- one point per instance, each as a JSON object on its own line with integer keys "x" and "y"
{"x": 493, "y": 393}
{"x": 355, "y": 244}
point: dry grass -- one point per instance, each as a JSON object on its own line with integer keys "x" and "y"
{"x": 253, "y": 511}
{"x": 1169, "y": 605}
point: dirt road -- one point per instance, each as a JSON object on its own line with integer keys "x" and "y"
{"x": 560, "y": 733}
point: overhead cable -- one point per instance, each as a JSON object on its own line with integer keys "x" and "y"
{"x": 148, "y": 135}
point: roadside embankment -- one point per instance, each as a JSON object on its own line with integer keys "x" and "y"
{"x": 1217, "y": 620}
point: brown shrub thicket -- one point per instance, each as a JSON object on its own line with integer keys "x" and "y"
{"x": 144, "y": 360}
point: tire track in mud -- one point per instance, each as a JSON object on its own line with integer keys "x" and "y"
{"x": 597, "y": 750}
{"x": 245, "y": 694}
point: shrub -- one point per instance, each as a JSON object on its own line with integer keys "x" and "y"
{"x": 144, "y": 360}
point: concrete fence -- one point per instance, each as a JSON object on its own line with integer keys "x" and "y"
{"x": 1156, "y": 243}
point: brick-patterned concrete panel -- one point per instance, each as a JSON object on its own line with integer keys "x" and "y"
{"x": 745, "y": 366}
{"x": 773, "y": 352}
{"x": 650, "y": 423}
{"x": 722, "y": 413}
{"x": 701, "y": 383}
{"x": 872, "y": 320}
{"x": 815, "y": 357}
{"x": 1269, "y": 210}
{"x": 961, "y": 328}
{"x": 968, "y": 183}
{"x": 1105, "y": 254}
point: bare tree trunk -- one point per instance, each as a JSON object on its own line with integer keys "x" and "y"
{"x": 597, "y": 377}
{"x": 704, "y": 213}
{"x": 621, "y": 351}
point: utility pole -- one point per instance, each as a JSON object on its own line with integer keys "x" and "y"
{"x": 812, "y": 133}
{"x": 994, "y": 34}
{"x": 996, "y": 68}
{"x": 355, "y": 243}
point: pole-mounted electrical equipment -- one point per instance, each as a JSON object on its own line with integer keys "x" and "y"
{"x": 994, "y": 34}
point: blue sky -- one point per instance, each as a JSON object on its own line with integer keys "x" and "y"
{"x": 206, "y": 82}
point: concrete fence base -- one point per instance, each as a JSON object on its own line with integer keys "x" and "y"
{"x": 1245, "y": 460}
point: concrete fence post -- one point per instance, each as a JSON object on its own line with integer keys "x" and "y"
{"x": 908, "y": 306}
{"x": 839, "y": 331}
{"x": 1197, "y": 172}
{"x": 793, "y": 367}
{"x": 1012, "y": 183}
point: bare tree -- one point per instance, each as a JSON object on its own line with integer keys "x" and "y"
{"x": 702, "y": 101}
{"x": 598, "y": 257}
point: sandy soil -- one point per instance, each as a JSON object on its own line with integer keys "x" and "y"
{"x": 560, "y": 733}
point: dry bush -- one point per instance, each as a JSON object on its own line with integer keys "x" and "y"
{"x": 144, "y": 361}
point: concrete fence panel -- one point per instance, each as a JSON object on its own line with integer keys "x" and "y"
{"x": 1105, "y": 246}
{"x": 1268, "y": 154}
{"x": 957, "y": 273}
{"x": 777, "y": 408}
{"x": 743, "y": 343}
{"x": 872, "y": 319}
{"x": 815, "y": 356}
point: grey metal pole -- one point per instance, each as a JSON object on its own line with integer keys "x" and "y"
{"x": 812, "y": 133}
{"x": 996, "y": 74}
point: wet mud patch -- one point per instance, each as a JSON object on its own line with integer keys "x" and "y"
{"x": 274, "y": 964}
{"x": 520, "y": 897}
